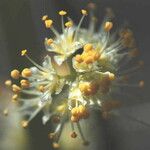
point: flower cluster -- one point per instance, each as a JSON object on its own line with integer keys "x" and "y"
{"x": 79, "y": 78}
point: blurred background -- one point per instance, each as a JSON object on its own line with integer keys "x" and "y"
{"x": 21, "y": 28}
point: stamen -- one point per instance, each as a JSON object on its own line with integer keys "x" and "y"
{"x": 84, "y": 12}
{"x": 85, "y": 142}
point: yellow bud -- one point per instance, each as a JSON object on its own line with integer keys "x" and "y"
{"x": 88, "y": 47}
{"x": 15, "y": 74}
{"x": 108, "y": 26}
{"x": 84, "y": 12}
{"x": 48, "y": 23}
{"x": 23, "y": 52}
{"x": 62, "y": 13}
{"x": 26, "y": 73}
{"x": 69, "y": 24}
{"x": 8, "y": 83}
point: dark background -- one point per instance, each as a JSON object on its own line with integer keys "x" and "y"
{"x": 21, "y": 27}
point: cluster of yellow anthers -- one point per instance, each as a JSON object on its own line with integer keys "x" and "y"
{"x": 15, "y": 74}
{"x": 88, "y": 56}
{"x": 79, "y": 112}
{"x": 91, "y": 88}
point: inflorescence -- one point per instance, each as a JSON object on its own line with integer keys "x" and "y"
{"x": 79, "y": 78}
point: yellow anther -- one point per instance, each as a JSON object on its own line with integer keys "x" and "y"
{"x": 69, "y": 24}
{"x": 49, "y": 41}
{"x": 78, "y": 58}
{"x": 89, "y": 60}
{"x": 26, "y": 73}
{"x": 8, "y": 83}
{"x": 5, "y": 112}
{"x": 82, "y": 110}
{"x": 48, "y": 23}
{"x": 84, "y": 12}
{"x": 141, "y": 84}
{"x": 23, "y": 52}
{"x": 16, "y": 88}
{"x": 24, "y": 124}
{"x": 96, "y": 56}
{"x": 41, "y": 88}
{"x": 74, "y": 111}
{"x": 110, "y": 75}
{"x": 62, "y": 13}
{"x": 15, "y": 97}
{"x": 88, "y": 47}
{"x": 74, "y": 118}
{"x": 73, "y": 134}
{"x": 56, "y": 145}
{"x": 25, "y": 83}
{"x": 15, "y": 74}
{"x": 44, "y": 17}
{"x": 108, "y": 26}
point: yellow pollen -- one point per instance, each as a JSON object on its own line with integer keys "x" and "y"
{"x": 26, "y": 73}
{"x": 48, "y": 23}
{"x": 62, "y": 13}
{"x": 44, "y": 17}
{"x": 8, "y": 83}
{"x": 88, "y": 47}
{"x": 15, "y": 74}
{"x": 24, "y": 124}
{"x": 25, "y": 83}
{"x": 49, "y": 41}
{"x": 23, "y": 52}
{"x": 69, "y": 24}
{"x": 84, "y": 12}
{"x": 108, "y": 26}
{"x": 16, "y": 88}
